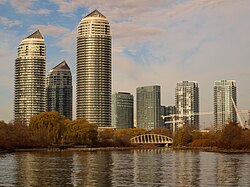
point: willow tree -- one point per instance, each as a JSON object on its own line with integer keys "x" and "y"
{"x": 50, "y": 122}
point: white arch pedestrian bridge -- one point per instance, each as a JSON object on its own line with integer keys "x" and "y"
{"x": 152, "y": 139}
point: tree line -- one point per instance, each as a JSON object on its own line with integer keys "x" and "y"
{"x": 50, "y": 129}
{"x": 231, "y": 137}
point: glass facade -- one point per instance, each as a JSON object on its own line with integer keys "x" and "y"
{"x": 187, "y": 103}
{"x": 93, "y": 81}
{"x": 224, "y": 92}
{"x": 59, "y": 90}
{"x": 122, "y": 110}
{"x": 30, "y": 75}
{"x": 167, "y": 122}
{"x": 148, "y": 100}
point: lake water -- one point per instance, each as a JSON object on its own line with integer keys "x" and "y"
{"x": 153, "y": 167}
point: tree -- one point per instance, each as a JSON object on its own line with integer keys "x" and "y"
{"x": 183, "y": 137}
{"x": 136, "y": 132}
{"x": 162, "y": 131}
{"x": 14, "y": 135}
{"x": 20, "y": 135}
{"x": 106, "y": 137}
{"x": 80, "y": 132}
{"x": 122, "y": 138}
{"x": 231, "y": 136}
{"x": 52, "y": 122}
{"x": 4, "y": 139}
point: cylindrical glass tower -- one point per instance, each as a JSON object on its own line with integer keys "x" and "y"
{"x": 93, "y": 83}
{"x": 30, "y": 77}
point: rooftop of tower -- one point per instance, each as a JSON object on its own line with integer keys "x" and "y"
{"x": 36, "y": 34}
{"x": 95, "y": 13}
{"x": 62, "y": 66}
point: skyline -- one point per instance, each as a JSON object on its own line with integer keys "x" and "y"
{"x": 162, "y": 44}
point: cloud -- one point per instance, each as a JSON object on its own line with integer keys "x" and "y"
{"x": 198, "y": 40}
{"x": 130, "y": 32}
{"x": 135, "y": 22}
{"x": 8, "y": 22}
{"x": 65, "y": 38}
{"x": 68, "y": 6}
{"x": 127, "y": 9}
{"x": 26, "y": 7}
{"x": 50, "y": 30}
{"x": 8, "y": 50}
{"x": 2, "y": 2}
{"x": 68, "y": 42}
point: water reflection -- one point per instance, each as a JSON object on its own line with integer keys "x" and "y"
{"x": 7, "y": 169}
{"x": 228, "y": 170}
{"x": 91, "y": 169}
{"x": 38, "y": 169}
{"x": 207, "y": 169}
{"x": 156, "y": 167}
{"x": 186, "y": 168}
{"x": 148, "y": 168}
{"x": 122, "y": 168}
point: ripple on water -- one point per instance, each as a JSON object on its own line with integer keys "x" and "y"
{"x": 156, "y": 167}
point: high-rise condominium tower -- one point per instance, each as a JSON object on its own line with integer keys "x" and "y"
{"x": 59, "y": 90}
{"x": 93, "y": 81}
{"x": 30, "y": 75}
{"x": 225, "y": 94}
{"x": 122, "y": 110}
{"x": 167, "y": 122}
{"x": 148, "y": 100}
{"x": 187, "y": 103}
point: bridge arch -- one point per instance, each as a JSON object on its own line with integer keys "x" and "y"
{"x": 151, "y": 139}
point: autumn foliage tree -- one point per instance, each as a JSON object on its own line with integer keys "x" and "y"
{"x": 106, "y": 137}
{"x": 122, "y": 137}
{"x": 62, "y": 132}
{"x": 78, "y": 132}
{"x": 161, "y": 131}
{"x": 209, "y": 139}
{"x": 14, "y": 135}
{"x": 231, "y": 136}
{"x": 51, "y": 123}
{"x": 5, "y": 140}
{"x": 183, "y": 137}
{"x": 136, "y": 132}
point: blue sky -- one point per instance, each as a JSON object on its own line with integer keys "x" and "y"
{"x": 154, "y": 42}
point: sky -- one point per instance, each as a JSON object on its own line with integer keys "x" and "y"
{"x": 153, "y": 43}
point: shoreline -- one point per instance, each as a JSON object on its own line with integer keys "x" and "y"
{"x": 84, "y": 149}
{"x": 214, "y": 149}
{"x": 94, "y": 149}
